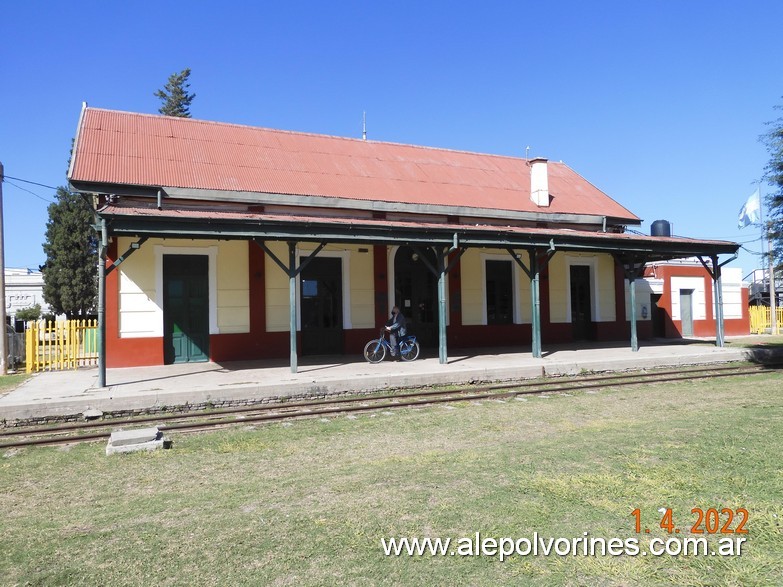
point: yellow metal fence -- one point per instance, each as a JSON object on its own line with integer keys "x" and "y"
{"x": 761, "y": 319}
{"x": 61, "y": 344}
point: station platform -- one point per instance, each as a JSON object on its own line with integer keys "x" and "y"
{"x": 64, "y": 393}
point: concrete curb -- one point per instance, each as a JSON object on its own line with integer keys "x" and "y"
{"x": 358, "y": 377}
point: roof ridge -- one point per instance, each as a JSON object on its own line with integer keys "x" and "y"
{"x": 321, "y": 135}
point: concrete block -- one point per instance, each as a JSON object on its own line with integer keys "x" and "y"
{"x": 91, "y": 414}
{"x": 137, "y": 436}
{"x": 123, "y": 441}
{"x": 152, "y": 445}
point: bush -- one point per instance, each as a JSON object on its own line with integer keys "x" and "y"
{"x": 31, "y": 313}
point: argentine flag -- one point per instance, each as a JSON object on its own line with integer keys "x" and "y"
{"x": 751, "y": 211}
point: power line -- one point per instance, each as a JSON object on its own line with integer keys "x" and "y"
{"x": 755, "y": 240}
{"x": 43, "y": 185}
{"x": 28, "y": 191}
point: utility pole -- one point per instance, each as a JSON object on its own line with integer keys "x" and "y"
{"x": 772, "y": 292}
{"x": 4, "y": 337}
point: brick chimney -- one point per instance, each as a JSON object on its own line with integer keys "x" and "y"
{"x": 539, "y": 181}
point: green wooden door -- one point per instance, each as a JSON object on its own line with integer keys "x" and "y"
{"x": 185, "y": 308}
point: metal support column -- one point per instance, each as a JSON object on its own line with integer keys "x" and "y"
{"x": 292, "y": 302}
{"x": 102, "y": 247}
{"x": 534, "y": 274}
{"x": 292, "y": 271}
{"x": 440, "y": 270}
{"x": 632, "y": 289}
{"x": 443, "y": 357}
{"x": 535, "y": 303}
{"x": 715, "y": 271}
{"x": 717, "y": 286}
{"x": 633, "y": 268}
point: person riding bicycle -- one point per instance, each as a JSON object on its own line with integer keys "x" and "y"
{"x": 395, "y": 326}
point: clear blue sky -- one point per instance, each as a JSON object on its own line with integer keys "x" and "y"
{"x": 660, "y": 104}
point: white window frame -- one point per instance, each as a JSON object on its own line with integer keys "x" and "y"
{"x": 516, "y": 302}
{"x": 591, "y": 262}
{"x": 698, "y": 299}
{"x": 212, "y": 253}
{"x": 391, "y": 252}
{"x": 345, "y": 257}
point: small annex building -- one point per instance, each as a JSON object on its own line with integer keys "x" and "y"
{"x": 226, "y": 242}
{"x": 682, "y": 300}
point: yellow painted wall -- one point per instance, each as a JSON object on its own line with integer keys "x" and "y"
{"x": 558, "y": 289}
{"x": 362, "y": 288}
{"x": 233, "y": 295}
{"x": 277, "y": 312}
{"x": 606, "y": 290}
{"x": 473, "y": 285}
{"x": 602, "y": 293}
{"x": 140, "y": 315}
{"x": 361, "y": 293}
{"x": 471, "y": 288}
{"x": 140, "y": 304}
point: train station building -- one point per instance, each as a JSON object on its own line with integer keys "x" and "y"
{"x": 225, "y": 242}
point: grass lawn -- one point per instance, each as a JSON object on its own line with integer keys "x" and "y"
{"x": 756, "y": 341}
{"x": 9, "y": 382}
{"x": 308, "y": 503}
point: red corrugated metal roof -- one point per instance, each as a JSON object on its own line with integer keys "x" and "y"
{"x": 141, "y": 149}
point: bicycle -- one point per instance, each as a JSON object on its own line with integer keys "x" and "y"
{"x": 375, "y": 350}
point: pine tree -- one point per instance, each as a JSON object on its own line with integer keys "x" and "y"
{"x": 175, "y": 97}
{"x": 773, "y": 173}
{"x": 70, "y": 274}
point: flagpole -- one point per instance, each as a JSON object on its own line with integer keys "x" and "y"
{"x": 763, "y": 234}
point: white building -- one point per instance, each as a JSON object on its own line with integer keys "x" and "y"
{"x": 23, "y": 289}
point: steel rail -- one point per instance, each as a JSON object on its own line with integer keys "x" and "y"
{"x": 294, "y": 410}
{"x": 163, "y": 417}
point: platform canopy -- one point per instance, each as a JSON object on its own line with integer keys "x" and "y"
{"x": 135, "y": 221}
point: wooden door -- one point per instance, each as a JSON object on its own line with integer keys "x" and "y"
{"x": 321, "y": 303}
{"x": 185, "y": 308}
{"x": 581, "y": 303}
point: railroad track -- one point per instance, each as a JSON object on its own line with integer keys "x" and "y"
{"x": 18, "y": 437}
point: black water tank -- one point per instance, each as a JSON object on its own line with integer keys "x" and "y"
{"x": 661, "y": 228}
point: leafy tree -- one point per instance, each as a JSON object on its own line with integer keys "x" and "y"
{"x": 70, "y": 274}
{"x": 175, "y": 97}
{"x": 31, "y": 313}
{"x": 773, "y": 173}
